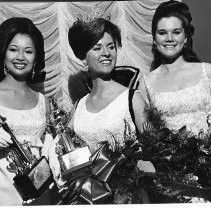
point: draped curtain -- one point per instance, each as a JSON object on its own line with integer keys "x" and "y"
{"x": 63, "y": 78}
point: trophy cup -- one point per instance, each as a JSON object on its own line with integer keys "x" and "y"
{"x": 32, "y": 176}
{"x": 71, "y": 157}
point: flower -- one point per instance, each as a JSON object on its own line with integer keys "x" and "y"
{"x": 182, "y": 160}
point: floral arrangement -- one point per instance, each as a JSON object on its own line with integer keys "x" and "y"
{"x": 182, "y": 161}
{"x": 111, "y": 179}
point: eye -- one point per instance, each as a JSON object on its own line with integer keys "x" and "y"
{"x": 177, "y": 32}
{"x": 29, "y": 52}
{"x": 96, "y": 48}
{"x": 12, "y": 49}
{"x": 161, "y": 32}
{"x": 112, "y": 47}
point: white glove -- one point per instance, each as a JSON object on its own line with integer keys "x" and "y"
{"x": 5, "y": 138}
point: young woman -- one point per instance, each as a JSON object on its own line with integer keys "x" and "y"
{"x": 179, "y": 84}
{"x": 21, "y": 63}
{"x": 105, "y": 114}
{"x": 101, "y": 115}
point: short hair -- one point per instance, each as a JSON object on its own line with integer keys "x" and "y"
{"x": 20, "y": 25}
{"x": 180, "y": 10}
{"x": 84, "y": 35}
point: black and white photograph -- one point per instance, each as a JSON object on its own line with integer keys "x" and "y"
{"x": 105, "y": 103}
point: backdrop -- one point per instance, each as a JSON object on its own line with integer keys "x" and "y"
{"x": 63, "y": 79}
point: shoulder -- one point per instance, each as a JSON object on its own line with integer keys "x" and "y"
{"x": 152, "y": 75}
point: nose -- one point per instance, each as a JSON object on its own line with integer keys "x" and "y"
{"x": 20, "y": 55}
{"x": 169, "y": 37}
{"x": 106, "y": 51}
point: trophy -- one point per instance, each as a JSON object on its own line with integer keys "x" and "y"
{"x": 32, "y": 176}
{"x": 71, "y": 157}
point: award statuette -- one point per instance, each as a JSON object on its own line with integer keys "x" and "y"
{"x": 32, "y": 176}
{"x": 71, "y": 158}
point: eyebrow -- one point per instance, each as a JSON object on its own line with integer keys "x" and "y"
{"x": 14, "y": 45}
{"x": 173, "y": 29}
{"x": 110, "y": 43}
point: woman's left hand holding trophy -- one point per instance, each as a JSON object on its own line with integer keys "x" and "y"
{"x": 58, "y": 121}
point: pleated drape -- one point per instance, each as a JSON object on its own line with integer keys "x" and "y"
{"x": 64, "y": 70}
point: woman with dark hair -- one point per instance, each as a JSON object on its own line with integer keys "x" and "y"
{"x": 103, "y": 112}
{"x": 106, "y": 114}
{"x": 179, "y": 84}
{"x": 21, "y": 63}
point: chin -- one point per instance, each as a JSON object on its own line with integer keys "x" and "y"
{"x": 171, "y": 58}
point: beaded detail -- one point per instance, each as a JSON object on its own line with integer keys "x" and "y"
{"x": 188, "y": 106}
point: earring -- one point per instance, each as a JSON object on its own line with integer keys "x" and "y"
{"x": 33, "y": 72}
{"x": 86, "y": 67}
{"x": 154, "y": 45}
{"x": 5, "y": 70}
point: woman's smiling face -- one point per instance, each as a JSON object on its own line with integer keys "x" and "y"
{"x": 170, "y": 37}
{"x": 101, "y": 59}
{"x": 20, "y": 56}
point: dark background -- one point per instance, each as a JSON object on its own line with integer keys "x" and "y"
{"x": 201, "y": 15}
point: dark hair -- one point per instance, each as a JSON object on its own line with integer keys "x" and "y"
{"x": 20, "y": 25}
{"x": 84, "y": 35}
{"x": 180, "y": 10}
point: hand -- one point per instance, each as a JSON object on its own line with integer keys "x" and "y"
{"x": 5, "y": 139}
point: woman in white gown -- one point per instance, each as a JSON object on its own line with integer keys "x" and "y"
{"x": 21, "y": 63}
{"x": 101, "y": 114}
{"x": 105, "y": 114}
{"x": 179, "y": 84}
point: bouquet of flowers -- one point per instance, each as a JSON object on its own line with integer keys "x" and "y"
{"x": 111, "y": 177}
{"x": 181, "y": 159}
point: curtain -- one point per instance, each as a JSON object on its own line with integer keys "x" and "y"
{"x": 64, "y": 75}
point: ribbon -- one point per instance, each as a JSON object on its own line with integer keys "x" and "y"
{"x": 91, "y": 185}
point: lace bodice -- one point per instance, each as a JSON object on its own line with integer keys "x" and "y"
{"x": 106, "y": 125}
{"x": 188, "y": 106}
{"x": 26, "y": 125}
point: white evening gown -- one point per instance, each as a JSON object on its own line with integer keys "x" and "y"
{"x": 105, "y": 125}
{"x": 26, "y": 125}
{"x": 187, "y": 107}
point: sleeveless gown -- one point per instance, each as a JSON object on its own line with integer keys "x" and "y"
{"x": 105, "y": 125}
{"x": 26, "y": 125}
{"x": 187, "y": 107}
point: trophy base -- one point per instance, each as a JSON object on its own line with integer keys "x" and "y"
{"x": 74, "y": 160}
{"x": 33, "y": 184}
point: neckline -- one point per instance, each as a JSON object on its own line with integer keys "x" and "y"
{"x": 106, "y": 107}
{"x": 19, "y": 110}
{"x": 176, "y": 91}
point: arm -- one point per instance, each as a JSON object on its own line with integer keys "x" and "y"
{"x": 143, "y": 90}
{"x": 139, "y": 105}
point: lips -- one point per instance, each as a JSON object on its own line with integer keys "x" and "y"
{"x": 106, "y": 62}
{"x": 169, "y": 46}
{"x": 19, "y": 65}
